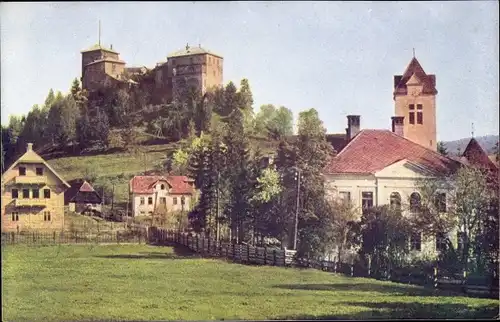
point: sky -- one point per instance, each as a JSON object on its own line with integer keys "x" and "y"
{"x": 336, "y": 57}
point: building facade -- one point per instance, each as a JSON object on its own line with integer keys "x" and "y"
{"x": 32, "y": 195}
{"x": 149, "y": 194}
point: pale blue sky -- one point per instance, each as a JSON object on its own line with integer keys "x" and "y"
{"x": 337, "y": 57}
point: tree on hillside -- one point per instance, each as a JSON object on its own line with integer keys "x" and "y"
{"x": 16, "y": 125}
{"x": 274, "y": 123}
{"x": 442, "y": 148}
{"x": 84, "y": 129}
{"x": 245, "y": 94}
{"x": 75, "y": 89}
{"x": 102, "y": 128}
{"x": 62, "y": 120}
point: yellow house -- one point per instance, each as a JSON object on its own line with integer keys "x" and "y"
{"x": 32, "y": 195}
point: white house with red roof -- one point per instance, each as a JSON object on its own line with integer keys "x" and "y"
{"x": 147, "y": 193}
{"x": 381, "y": 167}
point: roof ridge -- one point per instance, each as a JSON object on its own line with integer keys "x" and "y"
{"x": 350, "y": 142}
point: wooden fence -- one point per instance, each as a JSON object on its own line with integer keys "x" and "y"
{"x": 138, "y": 235}
{"x": 484, "y": 287}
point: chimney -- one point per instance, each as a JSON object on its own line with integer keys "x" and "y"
{"x": 30, "y": 147}
{"x": 397, "y": 125}
{"x": 111, "y": 46}
{"x": 353, "y": 126}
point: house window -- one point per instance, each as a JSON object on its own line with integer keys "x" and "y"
{"x": 46, "y": 193}
{"x": 416, "y": 242}
{"x": 142, "y": 201}
{"x": 366, "y": 200}
{"x": 46, "y": 216}
{"x": 36, "y": 193}
{"x": 150, "y": 200}
{"x": 175, "y": 200}
{"x": 415, "y": 202}
{"x": 150, "y": 212}
{"x": 183, "y": 200}
{"x": 15, "y": 193}
{"x": 142, "y": 212}
{"x": 345, "y": 197}
{"x": 22, "y": 171}
{"x": 162, "y": 187}
{"x": 15, "y": 216}
{"x": 440, "y": 242}
{"x": 440, "y": 202}
{"x": 163, "y": 200}
{"x": 39, "y": 171}
{"x": 420, "y": 115}
{"x": 26, "y": 193}
{"x": 395, "y": 201}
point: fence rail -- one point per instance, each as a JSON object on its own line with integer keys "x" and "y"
{"x": 282, "y": 257}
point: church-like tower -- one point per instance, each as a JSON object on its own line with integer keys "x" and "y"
{"x": 415, "y": 99}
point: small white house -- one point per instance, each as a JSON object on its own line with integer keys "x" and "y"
{"x": 147, "y": 193}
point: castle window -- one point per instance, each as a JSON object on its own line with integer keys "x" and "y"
{"x": 412, "y": 106}
{"x": 419, "y": 106}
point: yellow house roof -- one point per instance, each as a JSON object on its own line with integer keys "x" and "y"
{"x": 32, "y": 157}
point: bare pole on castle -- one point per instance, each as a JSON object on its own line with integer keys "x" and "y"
{"x": 99, "y": 32}
{"x": 413, "y": 52}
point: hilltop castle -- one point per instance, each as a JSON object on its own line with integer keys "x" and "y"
{"x": 188, "y": 67}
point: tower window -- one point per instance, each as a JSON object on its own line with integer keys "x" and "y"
{"x": 419, "y": 106}
{"x": 420, "y": 117}
{"x": 412, "y": 117}
{"x": 412, "y": 106}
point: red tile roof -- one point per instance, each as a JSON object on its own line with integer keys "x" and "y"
{"x": 428, "y": 81}
{"x": 373, "y": 150}
{"x": 144, "y": 184}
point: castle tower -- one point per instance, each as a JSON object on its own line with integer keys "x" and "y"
{"x": 194, "y": 67}
{"x": 415, "y": 100}
{"x": 100, "y": 64}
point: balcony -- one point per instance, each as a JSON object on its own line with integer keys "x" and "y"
{"x": 40, "y": 180}
{"x": 30, "y": 202}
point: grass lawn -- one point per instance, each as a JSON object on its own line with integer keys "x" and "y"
{"x": 140, "y": 282}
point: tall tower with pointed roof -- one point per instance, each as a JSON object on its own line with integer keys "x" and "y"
{"x": 415, "y": 99}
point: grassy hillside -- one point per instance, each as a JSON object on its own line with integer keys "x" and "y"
{"x": 115, "y": 161}
{"x": 140, "y": 282}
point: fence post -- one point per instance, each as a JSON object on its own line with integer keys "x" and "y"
{"x": 265, "y": 255}
{"x": 233, "y": 246}
{"x": 464, "y": 281}
{"x": 54, "y": 237}
{"x": 352, "y": 270}
{"x": 117, "y": 241}
{"x": 274, "y": 257}
{"x": 33, "y": 237}
{"x": 435, "y": 277}
{"x": 248, "y": 253}
{"x": 197, "y": 243}
{"x": 369, "y": 265}
{"x": 209, "y": 244}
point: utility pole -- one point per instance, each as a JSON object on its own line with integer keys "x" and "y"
{"x": 217, "y": 210}
{"x": 297, "y": 177}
